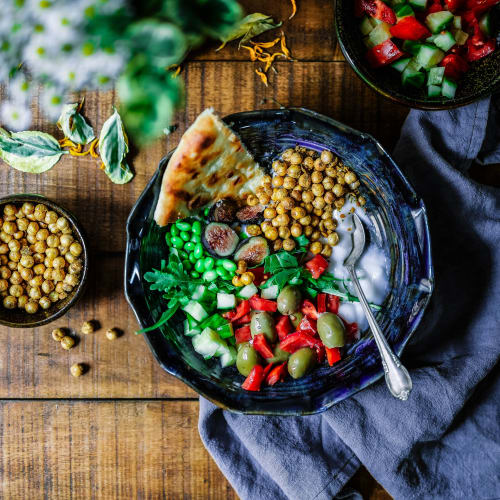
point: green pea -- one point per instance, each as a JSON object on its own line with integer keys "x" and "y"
{"x": 168, "y": 239}
{"x": 183, "y": 226}
{"x": 187, "y": 265}
{"x": 189, "y": 246}
{"x": 219, "y": 262}
{"x": 227, "y": 276}
{"x": 183, "y": 255}
{"x": 193, "y": 258}
{"x": 174, "y": 231}
{"x": 196, "y": 238}
{"x": 209, "y": 275}
{"x": 199, "y": 265}
{"x": 185, "y": 236}
{"x": 194, "y": 274}
{"x": 220, "y": 271}
{"x": 177, "y": 242}
{"x": 209, "y": 263}
{"x": 196, "y": 227}
{"x": 198, "y": 250}
{"x": 229, "y": 265}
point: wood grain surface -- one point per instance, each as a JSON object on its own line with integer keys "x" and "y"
{"x": 126, "y": 429}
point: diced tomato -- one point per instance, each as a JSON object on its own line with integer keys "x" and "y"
{"x": 308, "y": 309}
{"x": 453, "y": 5}
{"x": 284, "y": 327}
{"x": 320, "y": 353}
{"x": 258, "y": 273}
{"x": 258, "y": 304}
{"x": 454, "y": 66}
{"x": 435, "y": 7}
{"x": 241, "y": 310}
{"x": 379, "y": 10}
{"x": 382, "y": 54}
{"x": 277, "y": 374}
{"x": 262, "y": 347}
{"x": 332, "y": 355}
{"x": 317, "y": 265}
{"x": 333, "y": 303}
{"x": 476, "y": 51}
{"x": 308, "y": 325}
{"x": 298, "y": 340}
{"x": 321, "y": 301}
{"x": 254, "y": 379}
{"x": 267, "y": 369}
{"x": 242, "y": 334}
{"x": 479, "y": 6}
{"x": 409, "y": 29}
{"x": 243, "y": 320}
{"x": 350, "y": 329}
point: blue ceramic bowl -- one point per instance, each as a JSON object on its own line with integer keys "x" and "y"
{"x": 401, "y": 227}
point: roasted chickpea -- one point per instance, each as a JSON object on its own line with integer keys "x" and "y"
{"x": 18, "y": 235}
{"x": 331, "y": 171}
{"x": 362, "y": 200}
{"x": 319, "y": 202}
{"x": 16, "y": 290}
{"x": 340, "y": 179}
{"x": 298, "y": 212}
{"x": 62, "y": 295}
{"x": 26, "y": 274}
{"x": 318, "y": 212}
{"x": 316, "y": 177}
{"x": 295, "y": 158}
{"x": 76, "y": 267}
{"x": 339, "y": 203}
{"x": 4, "y": 285}
{"x": 283, "y": 232}
{"x": 76, "y": 249}
{"x": 308, "y": 162}
{"x": 275, "y": 222}
{"x": 31, "y": 307}
{"x": 271, "y": 233}
{"x": 333, "y": 239}
{"x": 288, "y": 244}
{"x": 62, "y": 223}
{"x": 263, "y": 199}
{"x": 16, "y": 278}
{"x": 252, "y": 200}
{"x": 280, "y": 168}
{"x": 289, "y": 182}
{"x": 48, "y": 262}
{"x": 51, "y": 217}
{"x": 308, "y": 231}
{"x": 5, "y": 272}
{"x": 77, "y": 369}
{"x": 14, "y": 246}
{"x": 51, "y": 253}
{"x": 27, "y": 261}
{"x": 315, "y": 220}
{"x": 47, "y": 274}
{"x": 39, "y": 269}
{"x": 53, "y": 241}
{"x": 9, "y": 209}
{"x": 58, "y": 275}
{"x": 326, "y": 156}
{"x": 247, "y": 278}
{"x": 280, "y": 194}
{"x": 296, "y": 230}
{"x": 326, "y": 251}
{"x": 35, "y": 293}
{"x": 317, "y": 189}
{"x": 338, "y": 190}
{"x": 266, "y": 179}
{"x": 10, "y": 302}
{"x": 278, "y": 181}
{"x": 296, "y": 194}
{"x": 236, "y": 281}
{"x": 253, "y": 230}
{"x": 306, "y": 220}
{"x": 270, "y": 213}
{"x": 70, "y": 279}
{"x": 3, "y": 259}
{"x": 4, "y": 248}
{"x": 36, "y": 281}
{"x": 307, "y": 196}
{"x": 277, "y": 245}
{"x": 44, "y": 302}
{"x": 294, "y": 171}
{"x": 33, "y": 228}
{"x": 22, "y": 301}
{"x": 329, "y": 197}
{"x": 53, "y": 296}
{"x": 31, "y": 239}
{"x": 27, "y": 208}
{"x": 283, "y": 219}
{"x": 9, "y": 228}
{"x": 315, "y": 247}
{"x": 87, "y": 327}
{"x": 42, "y": 234}
{"x": 265, "y": 225}
{"x": 66, "y": 240}
{"x": 330, "y": 224}
{"x": 47, "y": 286}
{"x": 53, "y": 228}
{"x": 350, "y": 177}
{"x": 12, "y": 265}
{"x": 287, "y": 154}
{"x": 288, "y": 203}
{"x": 67, "y": 342}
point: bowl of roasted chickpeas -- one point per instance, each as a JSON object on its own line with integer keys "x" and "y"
{"x": 43, "y": 261}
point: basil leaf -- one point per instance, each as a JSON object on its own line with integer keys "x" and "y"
{"x": 29, "y": 151}
{"x": 74, "y": 126}
{"x": 163, "y": 318}
{"x": 113, "y": 146}
{"x": 281, "y": 260}
{"x": 249, "y": 27}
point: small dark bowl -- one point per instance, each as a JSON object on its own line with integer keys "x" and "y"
{"x": 481, "y": 80}
{"x": 401, "y": 229}
{"x": 15, "y": 318}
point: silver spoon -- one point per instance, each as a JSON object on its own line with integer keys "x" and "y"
{"x": 397, "y": 378}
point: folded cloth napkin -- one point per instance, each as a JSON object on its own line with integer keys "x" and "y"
{"x": 444, "y": 442}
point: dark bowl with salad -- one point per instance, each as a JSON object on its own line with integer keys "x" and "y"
{"x": 280, "y": 343}
{"x": 427, "y": 54}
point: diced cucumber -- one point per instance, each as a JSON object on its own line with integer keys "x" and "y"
{"x": 213, "y": 322}
{"x": 444, "y": 41}
{"x": 196, "y": 310}
{"x": 380, "y": 34}
{"x": 375, "y": 22}
{"x": 368, "y": 43}
{"x": 226, "y": 301}
{"x": 397, "y": 2}
{"x": 485, "y": 24}
{"x": 366, "y": 26}
{"x": 457, "y": 22}
{"x": 189, "y": 330}
{"x": 225, "y": 331}
{"x": 438, "y": 21}
{"x": 412, "y": 77}
{"x": 415, "y": 64}
{"x": 400, "y": 64}
{"x": 429, "y": 56}
{"x": 418, "y": 4}
{"x": 203, "y": 294}
{"x": 431, "y": 39}
{"x": 192, "y": 322}
{"x": 435, "y": 76}
{"x": 271, "y": 292}
{"x": 248, "y": 291}
{"x": 402, "y": 11}
{"x": 448, "y": 88}
{"x": 433, "y": 90}
{"x": 209, "y": 344}
{"x": 199, "y": 291}
{"x": 411, "y": 47}
{"x": 460, "y": 36}
{"x": 228, "y": 358}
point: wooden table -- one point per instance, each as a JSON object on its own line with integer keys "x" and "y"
{"x": 127, "y": 429}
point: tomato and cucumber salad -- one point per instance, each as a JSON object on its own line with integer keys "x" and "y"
{"x": 431, "y": 43}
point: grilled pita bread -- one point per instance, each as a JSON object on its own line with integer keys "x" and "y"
{"x": 210, "y": 163}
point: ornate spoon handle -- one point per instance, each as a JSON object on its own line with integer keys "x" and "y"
{"x": 397, "y": 378}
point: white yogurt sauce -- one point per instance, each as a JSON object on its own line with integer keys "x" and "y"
{"x": 372, "y": 268}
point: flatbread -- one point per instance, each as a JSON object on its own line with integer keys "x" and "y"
{"x": 210, "y": 163}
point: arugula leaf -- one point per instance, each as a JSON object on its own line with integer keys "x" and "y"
{"x": 172, "y": 309}
{"x": 249, "y": 27}
{"x": 113, "y": 147}
{"x": 74, "y": 126}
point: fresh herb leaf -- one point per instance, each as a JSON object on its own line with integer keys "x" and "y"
{"x": 74, "y": 126}
{"x": 172, "y": 309}
{"x": 249, "y": 27}
{"x": 29, "y": 151}
{"x": 302, "y": 243}
{"x": 278, "y": 261}
{"x": 113, "y": 147}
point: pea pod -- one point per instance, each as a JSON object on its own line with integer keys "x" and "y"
{"x": 183, "y": 225}
{"x": 196, "y": 227}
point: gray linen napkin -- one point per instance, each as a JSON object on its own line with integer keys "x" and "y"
{"x": 444, "y": 442}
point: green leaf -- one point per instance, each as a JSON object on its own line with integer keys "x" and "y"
{"x": 249, "y": 27}
{"x": 29, "y": 151}
{"x": 74, "y": 126}
{"x": 113, "y": 146}
{"x": 172, "y": 309}
{"x": 280, "y": 260}
{"x": 302, "y": 243}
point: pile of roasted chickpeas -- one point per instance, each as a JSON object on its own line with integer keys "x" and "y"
{"x": 300, "y": 198}
{"x": 40, "y": 259}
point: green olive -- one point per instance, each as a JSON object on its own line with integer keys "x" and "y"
{"x": 301, "y": 361}
{"x": 331, "y": 330}
{"x": 289, "y": 300}
{"x": 262, "y": 322}
{"x": 246, "y": 359}
{"x": 296, "y": 318}
{"x": 280, "y": 356}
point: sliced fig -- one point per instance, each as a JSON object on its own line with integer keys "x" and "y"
{"x": 251, "y": 215}
{"x": 223, "y": 211}
{"x": 253, "y": 251}
{"x": 219, "y": 239}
